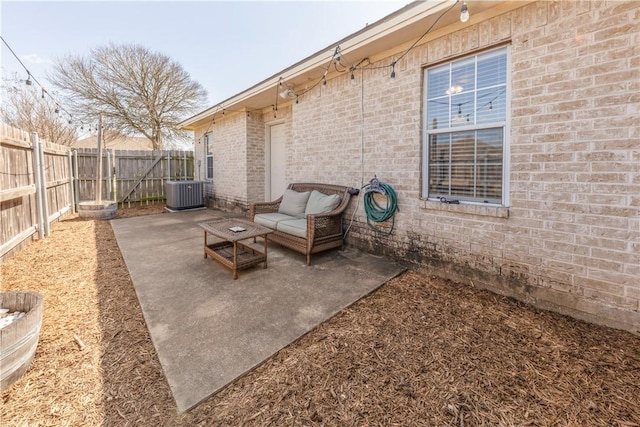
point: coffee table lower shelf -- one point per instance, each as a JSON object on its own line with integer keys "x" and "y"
{"x": 246, "y": 256}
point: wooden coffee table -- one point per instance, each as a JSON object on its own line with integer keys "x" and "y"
{"x": 230, "y": 252}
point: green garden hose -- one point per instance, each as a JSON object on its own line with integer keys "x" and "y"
{"x": 377, "y": 213}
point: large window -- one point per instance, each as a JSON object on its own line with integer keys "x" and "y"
{"x": 208, "y": 146}
{"x": 466, "y": 129}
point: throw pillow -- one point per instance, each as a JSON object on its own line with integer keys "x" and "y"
{"x": 321, "y": 203}
{"x": 293, "y": 203}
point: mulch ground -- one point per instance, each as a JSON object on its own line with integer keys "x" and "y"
{"x": 420, "y": 351}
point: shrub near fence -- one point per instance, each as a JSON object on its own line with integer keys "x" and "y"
{"x": 130, "y": 177}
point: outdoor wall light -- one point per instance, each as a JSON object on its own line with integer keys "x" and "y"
{"x": 288, "y": 93}
{"x": 464, "y": 12}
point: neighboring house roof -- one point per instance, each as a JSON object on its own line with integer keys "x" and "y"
{"x": 115, "y": 142}
{"x": 390, "y": 35}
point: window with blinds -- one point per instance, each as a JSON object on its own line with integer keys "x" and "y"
{"x": 465, "y": 128}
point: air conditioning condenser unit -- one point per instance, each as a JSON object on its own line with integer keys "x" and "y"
{"x": 184, "y": 194}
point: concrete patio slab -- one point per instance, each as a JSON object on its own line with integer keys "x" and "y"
{"x": 209, "y": 329}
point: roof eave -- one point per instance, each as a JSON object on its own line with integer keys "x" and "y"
{"x": 400, "y": 19}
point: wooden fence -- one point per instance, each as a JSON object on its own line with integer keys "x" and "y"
{"x": 29, "y": 166}
{"x": 131, "y": 176}
{"x": 35, "y": 187}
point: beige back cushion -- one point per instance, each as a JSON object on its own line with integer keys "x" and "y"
{"x": 293, "y": 203}
{"x": 321, "y": 203}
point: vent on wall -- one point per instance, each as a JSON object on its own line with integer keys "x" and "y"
{"x": 184, "y": 194}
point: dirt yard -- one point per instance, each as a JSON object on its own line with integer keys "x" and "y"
{"x": 418, "y": 352}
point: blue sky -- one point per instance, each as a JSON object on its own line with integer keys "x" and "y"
{"x": 227, "y": 46}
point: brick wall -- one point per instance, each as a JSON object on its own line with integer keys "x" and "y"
{"x": 569, "y": 239}
{"x": 228, "y": 189}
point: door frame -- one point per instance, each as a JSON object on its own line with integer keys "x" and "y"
{"x": 267, "y": 156}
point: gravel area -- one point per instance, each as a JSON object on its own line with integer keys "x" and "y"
{"x": 419, "y": 351}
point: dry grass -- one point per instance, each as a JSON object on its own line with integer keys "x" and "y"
{"x": 419, "y": 351}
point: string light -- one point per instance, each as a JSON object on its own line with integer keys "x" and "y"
{"x": 464, "y": 12}
{"x": 31, "y": 79}
{"x": 393, "y": 70}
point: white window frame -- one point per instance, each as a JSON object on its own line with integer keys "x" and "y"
{"x": 504, "y": 124}
{"x": 208, "y": 163}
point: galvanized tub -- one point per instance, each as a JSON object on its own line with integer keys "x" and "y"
{"x": 19, "y": 339}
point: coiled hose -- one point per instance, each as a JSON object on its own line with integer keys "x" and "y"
{"x": 375, "y": 212}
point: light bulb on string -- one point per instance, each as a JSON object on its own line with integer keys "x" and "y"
{"x": 464, "y": 12}
{"x": 28, "y": 82}
{"x": 353, "y": 77}
{"x": 393, "y": 71}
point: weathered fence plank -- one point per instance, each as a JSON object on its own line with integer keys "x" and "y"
{"x": 19, "y": 191}
{"x": 131, "y": 177}
{"x": 136, "y": 176}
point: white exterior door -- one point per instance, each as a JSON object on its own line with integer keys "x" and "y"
{"x": 276, "y": 163}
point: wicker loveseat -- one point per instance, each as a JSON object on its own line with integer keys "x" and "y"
{"x": 306, "y": 218}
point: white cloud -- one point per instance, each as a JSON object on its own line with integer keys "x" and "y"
{"x": 34, "y": 58}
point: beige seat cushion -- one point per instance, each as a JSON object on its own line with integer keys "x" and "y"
{"x": 295, "y": 227}
{"x": 271, "y": 220}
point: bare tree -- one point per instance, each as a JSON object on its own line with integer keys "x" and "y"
{"x": 136, "y": 90}
{"x": 27, "y": 108}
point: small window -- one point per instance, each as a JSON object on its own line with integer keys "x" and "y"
{"x": 208, "y": 147}
{"x": 464, "y": 144}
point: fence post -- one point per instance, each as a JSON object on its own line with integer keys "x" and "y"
{"x": 108, "y": 175}
{"x": 45, "y": 192}
{"x": 114, "y": 176}
{"x": 77, "y": 177}
{"x": 37, "y": 170}
{"x": 185, "y": 164}
{"x": 72, "y": 198}
{"x": 169, "y": 165}
{"x": 35, "y": 144}
{"x": 98, "y": 187}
